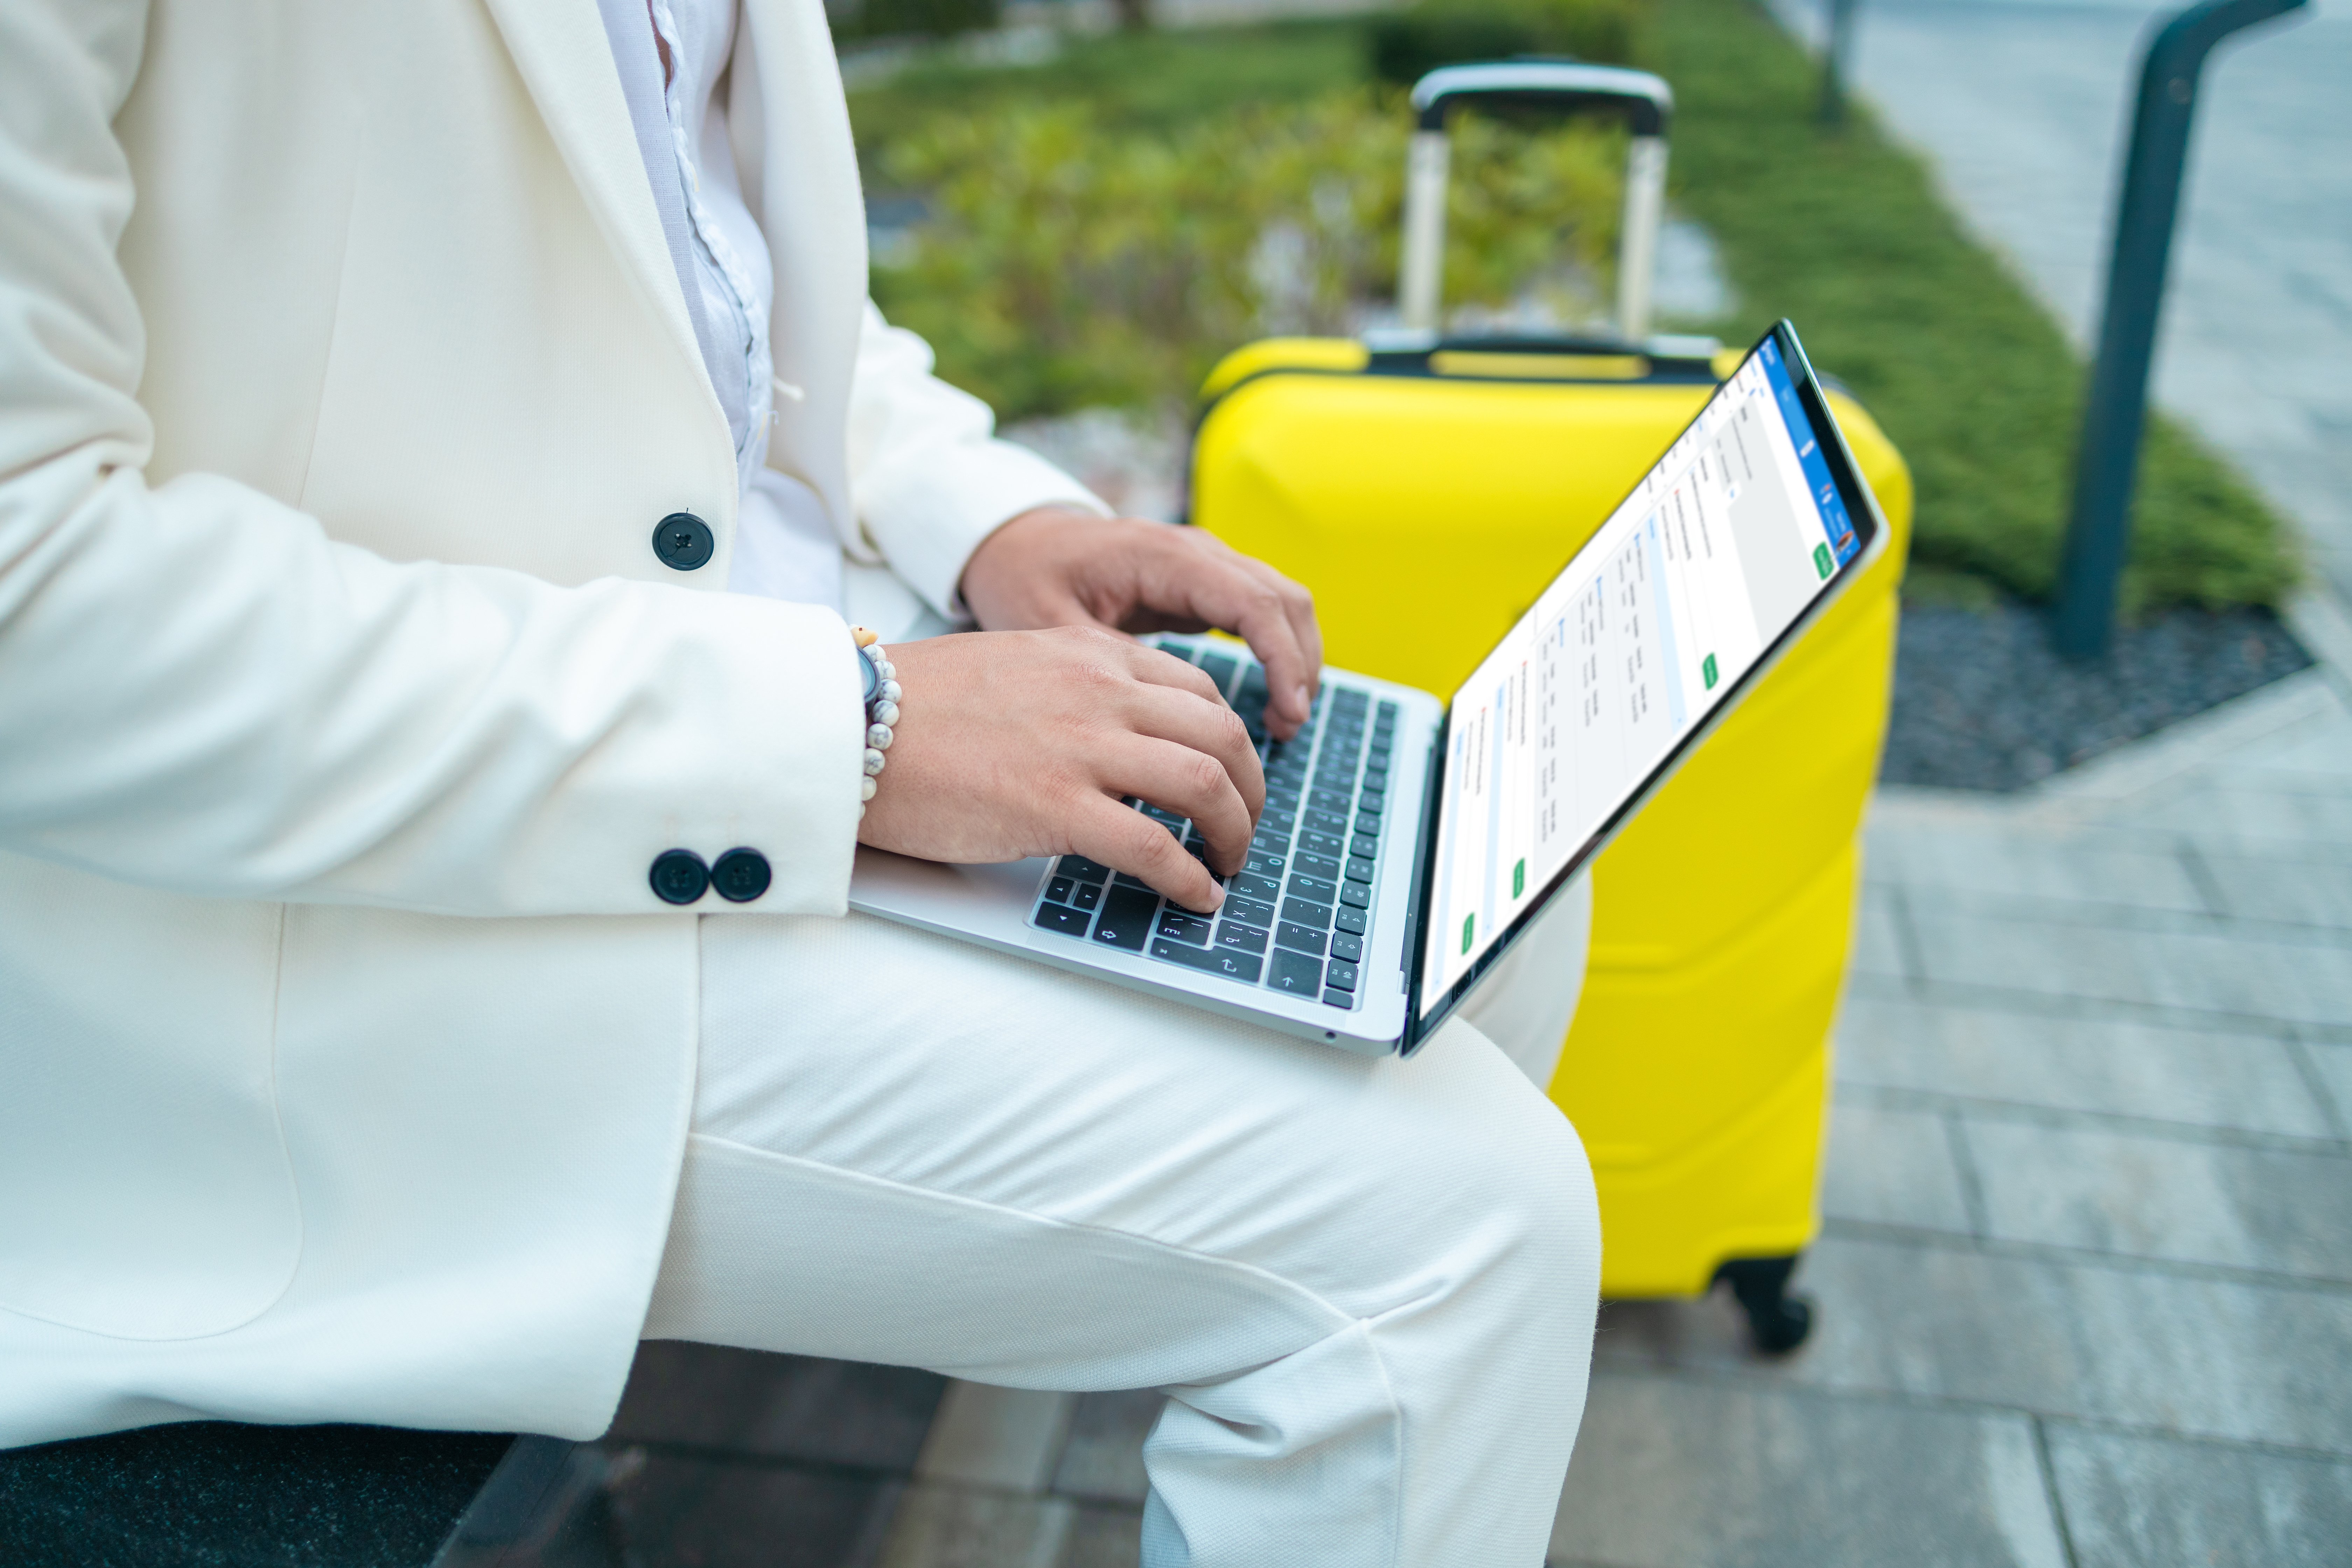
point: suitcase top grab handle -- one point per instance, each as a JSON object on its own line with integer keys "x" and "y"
{"x": 1564, "y": 86}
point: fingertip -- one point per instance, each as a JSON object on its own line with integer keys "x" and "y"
{"x": 1302, "y": 701}
{"x": 1216, "y": 901}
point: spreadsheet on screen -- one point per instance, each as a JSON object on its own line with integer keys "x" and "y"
{"x": 1721, "y": 547}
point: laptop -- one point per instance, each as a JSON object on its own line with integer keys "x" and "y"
{"x": 1408, "y": 842}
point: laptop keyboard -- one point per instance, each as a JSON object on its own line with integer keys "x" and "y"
{"x": 1297, "y": 916}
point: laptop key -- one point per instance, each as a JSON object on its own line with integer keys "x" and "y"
{"x": 1219, "y": 668}
{"x": 1301, "y": 912}
{"x": 1312, "y": 865}
{"x": 1321, "y": 889}
{"x": 1178, "y": 926}
{"x": 1298, "y": 973}
{"x": 1315, "y": 841}
{"x": 1079, "y": 868}
{"x": 1364, "y": 844}
{"x": 1087, "y": 895}
{"x": 1058, "y": 889}
{"x": 1314, "y": 819}
{"x": 1062, "y": 919}
{"x": 1299, "y": 938}
{"x": 1350, "y": 948}
{"x": 1340, "y": 999}
{"x": 1356, "y": 893}
{"x": 1358, "y": 868}
{"x": 1353, "y": 921}
{"x": 1327, "y": 800}
{"x": 1133, "y": 883}
{"x": 1249, "y": 911}
{"x": 1241, "y": 966}
{"x": 1240, "y": 937}
{"x": 1253, "y": 884}
{"x": 1125, "y": 918}
{"x": 1341, "y": 974}
{"x": 1264, "y": 862}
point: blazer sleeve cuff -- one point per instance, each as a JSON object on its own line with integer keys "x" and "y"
{"x": 928, "y": 517}
{"x": 772, "y": 765}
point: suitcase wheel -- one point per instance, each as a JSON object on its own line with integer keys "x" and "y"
{"x": 1777, "y": 1320}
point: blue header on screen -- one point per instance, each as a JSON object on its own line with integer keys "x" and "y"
{"x": 1827, "y": 502}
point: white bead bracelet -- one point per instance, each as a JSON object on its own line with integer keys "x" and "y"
{"x": 881, "y": 713}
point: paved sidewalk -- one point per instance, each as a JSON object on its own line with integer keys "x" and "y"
{"x": 2085, "y": 1280}
{"x": 2022, "y": 107}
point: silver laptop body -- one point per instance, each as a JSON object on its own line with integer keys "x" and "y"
{"x": 1407, "y": 842}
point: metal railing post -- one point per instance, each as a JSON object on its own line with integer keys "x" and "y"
{"x": 2098, "y": 532}
{"x": 1837, "y": 59}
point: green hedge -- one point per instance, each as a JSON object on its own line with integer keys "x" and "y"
{"x": 1106, "y": 271}
{"x": 1843, "y": 232}
{"x": 1071, "y": 261}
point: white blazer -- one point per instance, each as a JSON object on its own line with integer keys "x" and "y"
{"x": 345, "y": 1052}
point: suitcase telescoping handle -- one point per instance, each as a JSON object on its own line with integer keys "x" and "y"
{"x": 1560, "y": 87}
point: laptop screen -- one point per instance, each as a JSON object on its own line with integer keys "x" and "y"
{"x": 1717, "y": 552}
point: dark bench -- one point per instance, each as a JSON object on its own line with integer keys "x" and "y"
{"x": 712, "y": 1449}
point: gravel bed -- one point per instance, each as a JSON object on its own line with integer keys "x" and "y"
{"x": 1982, "y": 702}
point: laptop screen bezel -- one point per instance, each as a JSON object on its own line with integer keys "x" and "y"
{"x": 1860, "y": 507}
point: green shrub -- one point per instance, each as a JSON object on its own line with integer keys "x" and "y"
{"x": 926, "y": 18}
{"x": 1066, "y": 263}
{"x": 1409, "y": 44}
{"x": 1845, "y": 232}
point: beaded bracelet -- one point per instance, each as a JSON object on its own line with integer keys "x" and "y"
{"x": 881, "y": 709}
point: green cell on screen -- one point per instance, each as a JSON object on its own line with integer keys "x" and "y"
{"x": 1822, "y": 559}
{"x": 1706, "y": 672}
{"x": 1469, "y": 925}
{"x": 1519, "y": 879}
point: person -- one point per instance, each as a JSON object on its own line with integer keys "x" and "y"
{"x": 441, "y": 446}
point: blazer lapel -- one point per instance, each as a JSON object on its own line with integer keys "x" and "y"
{"x": 799, "y": 162}
{"x": 561, "y": 49}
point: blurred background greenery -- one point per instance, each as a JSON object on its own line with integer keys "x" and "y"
{"x": 1091, "y": 223}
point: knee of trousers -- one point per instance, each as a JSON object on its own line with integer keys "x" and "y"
{"x": 1496, "y": 1211}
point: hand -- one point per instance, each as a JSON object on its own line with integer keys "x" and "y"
{"x": 1015, "y": 743}
{"x": 1057, "y": 567}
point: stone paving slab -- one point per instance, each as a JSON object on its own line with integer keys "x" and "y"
{"x": 2053, "y": 863}
{"x": 1892, "y": 1167}
{"x": 2268, "y": 820}
{"x": 2217, "y": 973}
{"x": 2272, "y": 887}
{"x": 1680, "y": 1474}
{"x": 1878, "y": 934}
{"x": 939, "y": 1525}
{"x": 720, "y": 1513}
{"x": 2166, "y": 1199}
{"x": 1104, "y": 1458}
{"x": 2133, "y": 1500}
{"x": 715, "y": 1399}
{"x": 2165, "y": 1351}
{"x": 2200, "y": 1078}
{"x": 2332, "y": 1070}
{"x": 1105, "y": 1537}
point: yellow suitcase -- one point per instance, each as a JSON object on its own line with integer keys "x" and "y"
{"x": 1425, "y": 493}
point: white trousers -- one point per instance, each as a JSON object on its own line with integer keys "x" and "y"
{"x": 1368, "y": 1287}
